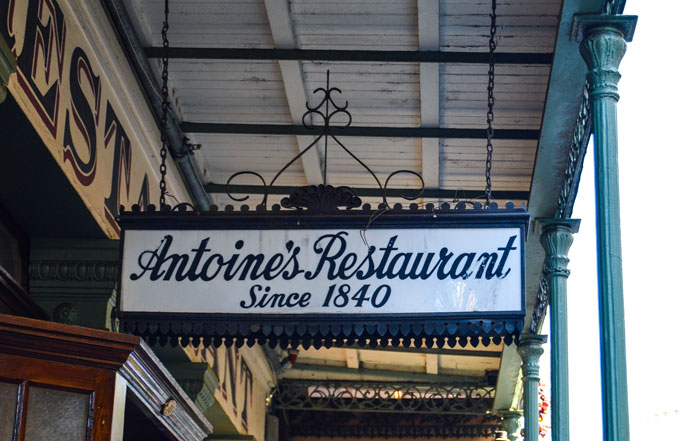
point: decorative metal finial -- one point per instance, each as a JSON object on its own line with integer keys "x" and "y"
{"x": 324, "y": 197}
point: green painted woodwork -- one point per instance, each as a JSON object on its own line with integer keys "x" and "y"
{"x": 530, "y": 349}
{"x": 198, "y": 381}
{"x": 74, "y": 280}
{"x": 8, "y": 64}
{"x": 556, "y": 238}
{"x": 603, "y": 47}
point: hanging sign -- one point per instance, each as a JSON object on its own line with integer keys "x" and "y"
{"x": 444, "y": 270}
{"x": 260, "y": 269}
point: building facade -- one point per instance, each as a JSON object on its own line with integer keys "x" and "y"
{"x": 454, "y": 104}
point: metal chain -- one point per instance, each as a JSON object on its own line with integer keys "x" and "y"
{"x": 490, "y": 101}
{"x": 165, "y": 108}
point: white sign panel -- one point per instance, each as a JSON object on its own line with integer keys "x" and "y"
{"x": 392, "y": 271}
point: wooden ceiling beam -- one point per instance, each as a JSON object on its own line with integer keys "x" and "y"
{"x": 317, "y": 372}
{"x": 283, "y": 33}
{"x": 361, "y": 131}
{"x": 428, "y": 40}
{"x": 433, "y": 193}
{"x": 209, "y": 53}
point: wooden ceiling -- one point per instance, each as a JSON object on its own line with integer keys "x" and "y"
{"x": 380, "y": 94}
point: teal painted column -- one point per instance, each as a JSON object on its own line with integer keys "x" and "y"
{"x": 556, "y": 238}
{"x": 530, "y": 349}
{"x": 602, "y": 47}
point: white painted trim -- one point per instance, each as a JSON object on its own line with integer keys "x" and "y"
{"x": 118, "y": 417}
{"x": 428, "y": 40}
{"x": 283, "y": 33}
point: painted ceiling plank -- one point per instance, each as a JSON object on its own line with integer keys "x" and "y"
{"x": 428, "y": 40}
{"x": 291, "y": 70}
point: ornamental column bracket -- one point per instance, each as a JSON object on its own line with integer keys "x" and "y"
{"x": 530, "y": 350}
{"x": 8, "y": 65}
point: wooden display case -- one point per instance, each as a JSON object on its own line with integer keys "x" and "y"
{"x": 62, "y": 382}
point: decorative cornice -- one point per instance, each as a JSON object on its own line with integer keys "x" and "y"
{"x": 69, "y": 344}
{"x": 77, "y": 271}
{"x": 531, "y": 349}
{"x": 370, "y": 396}
{"x": 218, "y": 329}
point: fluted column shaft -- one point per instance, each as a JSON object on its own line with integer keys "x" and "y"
{"x": 556, "y": 239}
{"x": 602, "y": 48}
{"x": 530, "y": 350}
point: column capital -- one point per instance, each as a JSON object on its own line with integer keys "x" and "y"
{"x": 603, "y": 44}
{"x": 556, "y": 238}
{"x": 530, "y": 349}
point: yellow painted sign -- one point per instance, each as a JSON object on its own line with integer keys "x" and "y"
{"x": 81, "y": 97}
{"x": 242, "y": 386}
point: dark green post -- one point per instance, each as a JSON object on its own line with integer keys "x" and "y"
{"x": 556, "y": 238}
{"x": 530, "y": 349}
{"x": 602, "y": 47}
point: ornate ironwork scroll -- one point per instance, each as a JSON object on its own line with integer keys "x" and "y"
{"x": 327, "y": 110}
{"x": 345, "y": 396}
{"x": 390, "y": 425}
{"x": 568, "y": 191}
{"x": 577, "y": 151}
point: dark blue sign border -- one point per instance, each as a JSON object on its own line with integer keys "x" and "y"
{"x": 327, "y": 330}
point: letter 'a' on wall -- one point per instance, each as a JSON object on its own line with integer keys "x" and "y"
{"x": 325, "y": 280}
